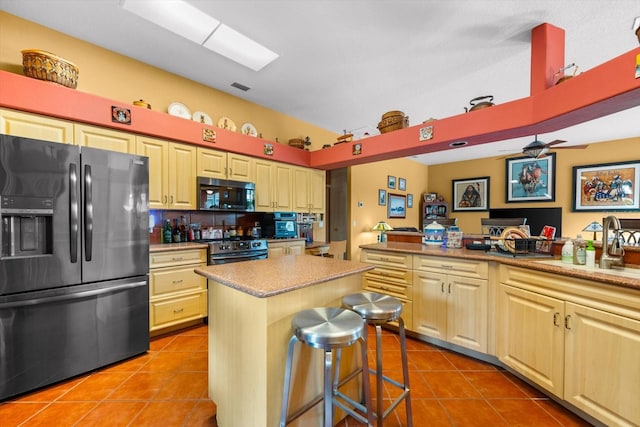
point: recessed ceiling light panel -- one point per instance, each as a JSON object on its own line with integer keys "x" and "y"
{"x": 228, "y": 42}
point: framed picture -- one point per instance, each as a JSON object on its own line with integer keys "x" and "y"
{"x": 430, "y": 197}
{"x": 397, "y": 206}
{"x": 409, "y": 200}
{"x": 471, "y": 194}
{"x": 402, "y": 184}
{"x": 391, "y": 182}
{"x": 531, "y": 180}
{"x": 607, "y": 187}
{"x": 382, "y": 197}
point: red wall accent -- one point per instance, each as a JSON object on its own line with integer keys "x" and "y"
{"x": 547, "y": 56}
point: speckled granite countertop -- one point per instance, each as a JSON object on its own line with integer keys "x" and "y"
{"x": 176, "y": 246}
{"x": 272, "y": 276}
{"x": 615, "y": 276}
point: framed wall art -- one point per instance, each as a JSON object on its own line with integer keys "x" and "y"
{"x": 531, "y": 180}
{"x": 396, "y": 206}
{"x": 402, "y": 184}
{"x": 409, "y": 200}
{"x": 391, "y": 182}
{"x": 471, "y": 194}
{"x": 382, "y": 197}
{"x": 607, "y": 187}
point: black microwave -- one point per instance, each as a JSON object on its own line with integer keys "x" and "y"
{"x": 280, "y": 225}
{"x": 226, "y": 195}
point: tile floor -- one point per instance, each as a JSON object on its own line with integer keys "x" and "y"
{"x": 168, "y": 387}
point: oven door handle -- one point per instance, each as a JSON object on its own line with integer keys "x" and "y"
{"x": 243, "y": 256}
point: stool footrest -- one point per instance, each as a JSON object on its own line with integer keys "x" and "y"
{"x": 351, "y": 411}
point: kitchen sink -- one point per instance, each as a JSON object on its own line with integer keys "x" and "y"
{"x": 630, "y": 272}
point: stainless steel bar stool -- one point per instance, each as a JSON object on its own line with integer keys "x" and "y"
{"x": 329, "y": 328}
{"x": 377, "y": 309}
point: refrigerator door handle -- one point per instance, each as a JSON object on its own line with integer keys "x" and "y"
{"x": 88, "y": 213}
{"x": 73, "y": 212}
{"x": 72, "y": 296}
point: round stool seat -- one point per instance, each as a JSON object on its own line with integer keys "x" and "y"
{"x": 327, "y": 327}
{"x": 373, "y": 306}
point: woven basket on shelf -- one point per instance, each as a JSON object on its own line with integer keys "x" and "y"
{"x": 387, "y": 125}
{"x": 296, "y": 142}
{"x": 43, "y": 65}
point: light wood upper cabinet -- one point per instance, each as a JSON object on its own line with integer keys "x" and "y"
{"x": 223, "y": 165}
{"x": 308, "y": 190}
{"x": 172, "y": 173}
{"x": 34, "y": 126}
{"x": 105, "y": 139}
{"x": 273, "y": 186}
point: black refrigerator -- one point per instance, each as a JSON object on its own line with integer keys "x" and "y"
{"x": 74, "y": 263}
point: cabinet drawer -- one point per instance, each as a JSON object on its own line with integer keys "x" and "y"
{"x": 391, "y": 259}
{"x": 176, "y": 279}
{"x": 401, "y": 277}
{"x": 456, "y": 266}
{"x": 384, "y": 287}
{"x": 182, "y": 257}
{"x": 172, "y": 311}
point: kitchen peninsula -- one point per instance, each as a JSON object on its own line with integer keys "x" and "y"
{"x": 251, "y": 305}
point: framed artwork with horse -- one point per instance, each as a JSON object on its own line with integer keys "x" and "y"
{"x": 531, "y": 179}
{"x": 606, "y": 187}
{"x": 471, "y": 194}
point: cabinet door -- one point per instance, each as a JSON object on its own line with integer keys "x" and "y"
{"x": 467, "y": 312}
{"x": 300, "y": 185}
{"x": 601, "y": 365}
{"x": 283, "y": 193}
{"x": 158, "y": 153}
{"x": 277, "y": 250}
{"x": 263, "y": 173}
{"x": 530, "y": 336}
{"x": 105, "y": 139}
{"x": 211, "y": 163}
{"x": 34, "y": 126}
{"x": 317, "y": 190}
{"x": 296, "y": 248}
{"x": 239, "y": 167}
{"x": 182, "y": 176}
{"x": 430, "y": 304}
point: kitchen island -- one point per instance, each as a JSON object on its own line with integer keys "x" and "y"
{"x": 251, "y": 305}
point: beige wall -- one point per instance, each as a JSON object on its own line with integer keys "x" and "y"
{"x": 365, "y": 181}
{"x": 440, "y": 177}
{"x": 105, "y": 73}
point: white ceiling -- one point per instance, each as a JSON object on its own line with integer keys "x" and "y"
{"x": 343, "y": 63}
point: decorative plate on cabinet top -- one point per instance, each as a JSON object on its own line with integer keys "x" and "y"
{"x": 201, "y": 117}
{"x": 226, "y": 123}
{"x": 179, "y": 110}
{"x": 249, "y": 129}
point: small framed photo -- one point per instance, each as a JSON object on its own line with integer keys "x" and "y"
{"x": 391, "y": 182}
{"x": 471, "y": 194}
{"x": 409, "y": 200}
{"x": 402, "y": 184}
{"x": 430, "y": 197}
{"x": 397, "y": 206}
{"x": 382, "y": 197}
{"x": 531, "y": 180}
{"x": 607, "y": 187}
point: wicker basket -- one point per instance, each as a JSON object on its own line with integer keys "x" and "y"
{"x": 387, "y": 125}
{"x": 43, "y": 65}
{"x": 296, "y": 142}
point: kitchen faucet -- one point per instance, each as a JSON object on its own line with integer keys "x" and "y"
{"x": 611, "y": 254}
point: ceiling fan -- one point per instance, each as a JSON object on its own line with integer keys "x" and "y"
{"x": 537, "y": 149}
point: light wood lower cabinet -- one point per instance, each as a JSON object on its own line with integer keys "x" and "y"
{"x": 578, "y": 339}
{"x": 450, "y": 300}
{"x": 283, "y": 247}
{"x": 393, "y": 276}
{"x": 177, "y": 294}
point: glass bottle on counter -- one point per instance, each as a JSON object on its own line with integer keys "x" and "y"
{"x": 590, "y": 254}
{"x": 567, "y": 251}
{"x": 176, "y": 231}
{"x": 579, "y": 251}
{"x": 167, "y": 232}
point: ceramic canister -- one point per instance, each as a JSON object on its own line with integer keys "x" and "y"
{"x": 433, "y": 234}
{"x": 454, "y": 237}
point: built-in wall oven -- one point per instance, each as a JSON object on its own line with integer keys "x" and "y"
{"x": 227, "y": 251}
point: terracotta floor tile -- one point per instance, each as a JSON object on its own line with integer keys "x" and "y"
{"x": 166, "y": 361}
{"x": 528, "y": 390}
{"x": 159, "y": 343}
{"x": 430, "y": 413}
{"x": 173, "y": 413}
{"x": 60, "y": 414}
{"x": 186, "y": 343}
{"x": 111, "y": 414}
{"x": 130, "y": 365}
{"x": 493, "y": 385}
{"x": 197, "y": 361}
{"x": 203, "y": 414}
{"x": 466, "y": 363}
{"x": 523, "y": 413}
{"x": 473, "y": 412}
{"x": 96, "y": 386}
{"x": 419, "y": 387}
{"x": 141, "y": 386}
{"x": 447, "y": 385}
{"x": 183, "y": 386}
{"x": 429, "y": 361}
{"x": 12, "y": 414}
{"x": 565, "y": 417}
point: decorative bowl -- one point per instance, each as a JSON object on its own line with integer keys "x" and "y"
{"x": 43, "y": 65}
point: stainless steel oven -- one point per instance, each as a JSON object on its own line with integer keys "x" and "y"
{"x": 227, "y": 251}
